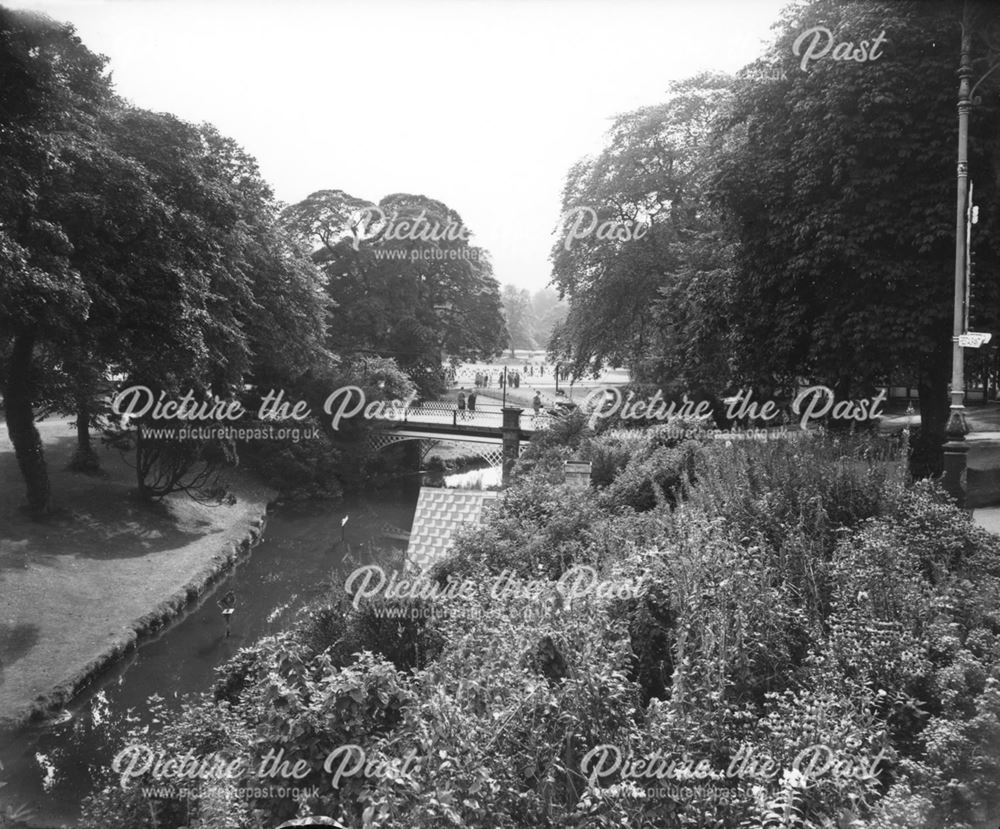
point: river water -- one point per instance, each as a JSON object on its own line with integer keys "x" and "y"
{"x": 51, "y": 767}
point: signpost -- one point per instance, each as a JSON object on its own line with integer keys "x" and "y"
{"x": 228, "y": 605}
{"x": 973, "y": 339}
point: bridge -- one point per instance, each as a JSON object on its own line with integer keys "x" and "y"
{"x": 494, "y": 432}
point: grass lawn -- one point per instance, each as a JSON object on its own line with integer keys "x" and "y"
{"x": 73, "y": 588}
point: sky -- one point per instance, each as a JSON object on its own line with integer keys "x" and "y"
{"x": 481, "y": 104}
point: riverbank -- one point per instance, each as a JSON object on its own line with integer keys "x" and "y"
{"x": 82, "y": 588}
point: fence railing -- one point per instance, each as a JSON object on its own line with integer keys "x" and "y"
{"x": 449, "y": 413}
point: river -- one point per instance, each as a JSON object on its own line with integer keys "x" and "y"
{"x": 51, "y": 766}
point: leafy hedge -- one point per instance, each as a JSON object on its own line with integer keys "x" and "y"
{"x": 794, "y": 593}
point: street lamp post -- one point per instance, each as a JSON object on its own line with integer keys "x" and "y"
{"x": 449, "y": 308}
{"x": 956, "y": 448}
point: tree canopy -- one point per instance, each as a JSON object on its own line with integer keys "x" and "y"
{"x": 405, "y": 281}
{"x": 630, "y": 286}
{"x": 801, "y": 218}
{"x": 130, "y": 243}
{"x": 841, "y": 184}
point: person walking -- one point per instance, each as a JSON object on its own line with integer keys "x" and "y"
{"x": 536, "y": 403}
{"x": 472, "y": 402}
{"x": 461, "y": 404}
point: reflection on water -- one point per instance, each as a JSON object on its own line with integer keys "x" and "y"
{"x": 52, "y": 766}
{"x": 487, "y": 478}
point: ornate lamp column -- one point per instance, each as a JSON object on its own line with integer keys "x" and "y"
{"x": 956, "y": 449}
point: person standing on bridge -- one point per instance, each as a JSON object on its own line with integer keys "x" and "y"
{"x": 472, "y": 402}
{"x": 461, "y": 404}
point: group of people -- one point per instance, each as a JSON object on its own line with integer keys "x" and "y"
{"x": 485, "y": 379}
{"x": 538, "y": 370}
{"x": 467, "y": 403}
{"x": 466, "y": 400}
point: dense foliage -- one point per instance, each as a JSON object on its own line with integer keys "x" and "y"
{"x": 799, "y": 221}
{"x": 140, "y": 250}
{"x": 841, "y": 180}
{"x": 642, "y": 250}
{"x": 134, "y": 245}
{"x": 793, "y": 594}
{"x": 531, "y": 318}
{"x": 406, "y": 281}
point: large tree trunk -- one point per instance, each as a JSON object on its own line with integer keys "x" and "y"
{"x": 84, "y": 459}
{"x": 84, "y": 377}
{"x": 21, "y": 426}
{"x": 928, "y": 450}
{"x": 141, "y": 465}
{"x": 842, "y": 390}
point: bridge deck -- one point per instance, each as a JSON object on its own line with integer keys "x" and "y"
{"x": 446, "y": 421}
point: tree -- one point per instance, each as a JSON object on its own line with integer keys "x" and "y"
{"x": 638, "y": 228}
{"x": 840, "y": 180}
{"x": 547, "y": 311}
{"x": 52, "y": 90}
{"x": 519, "y": 316}
{"x": 216, "y": 294}
{"x": 405, "y": 281}
{"x": 132, "y": 243}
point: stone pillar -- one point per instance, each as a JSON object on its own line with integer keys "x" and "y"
{"x": 578, "y": 473}
{"x": 511, "y": 431}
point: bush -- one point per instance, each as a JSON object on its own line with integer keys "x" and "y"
{"x": 612, "y": 450}
{"x": 307, "y": 469}
{"x": 657, "y": 479}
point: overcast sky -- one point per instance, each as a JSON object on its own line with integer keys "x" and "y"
{"x": 482, "y": 104}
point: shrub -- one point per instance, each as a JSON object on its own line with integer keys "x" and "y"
{"x": 307, "y": 469}
{"x": 656, "y": 479}
{"x": 534, "y": 529}
{"x": 612, "y": 450}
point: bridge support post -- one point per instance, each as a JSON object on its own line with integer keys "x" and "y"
{"x": 511, "y": 433}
